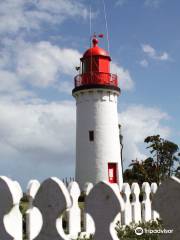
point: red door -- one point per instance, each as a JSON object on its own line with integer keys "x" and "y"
{"x": 112, "y": 172}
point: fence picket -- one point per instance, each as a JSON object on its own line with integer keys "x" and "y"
{"x": 52, "y": 199}
{"x": 135, "y": 205}
{"x": 155, "y": 214}
{"x": 10, "y": 216}
{"x": 104, "y": 203}
{"x": 127, "y": 213}
{"x": 146, "y": 203}
{"x": 74, "y": 213}
{"x": 33, "y": 216}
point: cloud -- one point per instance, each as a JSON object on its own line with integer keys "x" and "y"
{"x": 38, "y": 128}
{"x": 63, "y": 7}
{"x": 144, "y": 63}
{"x": 164, "y": 56}
{"x": 147, "y": 3}
{"x": 19, "y": 15}
{"x": 37, "y": 140}
{"x": 149, "y": 50}
{"x": 152, "y": 3}
{"x": 11, "y": 88}
{"x": 121, "y": 2}
{"x": 152, "y": 53}
{"x": 125, "y": 80}
{"x": 138, "y": 122}
{"x": 42, "y": 63}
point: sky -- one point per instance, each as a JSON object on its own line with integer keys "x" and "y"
{"x": 41, "y": 42}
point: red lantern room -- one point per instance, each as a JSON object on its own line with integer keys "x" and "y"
{"x": 95, "y": 70}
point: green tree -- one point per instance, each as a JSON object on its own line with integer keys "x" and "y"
{"x": 163, "y": 162}
{"x": 141, "y": 171}
{"x": 165, "y": 156}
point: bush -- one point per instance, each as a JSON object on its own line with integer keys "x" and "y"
{"x": 84, "y": 238}
{"x": 128, "y": 232}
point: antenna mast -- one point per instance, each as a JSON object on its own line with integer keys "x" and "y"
{"x": 107, "y": 32}
{"x": 90, "y": 24}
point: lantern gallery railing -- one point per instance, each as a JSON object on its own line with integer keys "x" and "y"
{"x": 96, "y": 78}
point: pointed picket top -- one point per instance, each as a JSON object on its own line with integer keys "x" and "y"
{"x": 87, "y": 188}
{"x": 18, "y": 192}
{"x": 135, "y": 190}
{"x": 166, "y": 202}
{"x": 146, "y": 190}
{"x": 32, "y": 187}
{"x": 103, "y": 203}
{"x": 52, "y": 199}
{"x": 74, "y": 190}
{"x": 126, "y": 191}
{"x": 155, "y": 214}
{"x": 154, "y": 187}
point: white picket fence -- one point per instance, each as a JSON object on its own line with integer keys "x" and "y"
{"x": 50, "y": 200}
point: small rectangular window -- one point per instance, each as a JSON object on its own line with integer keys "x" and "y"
{"x": 85, "y": 66}
{"x": 91, "y": 136}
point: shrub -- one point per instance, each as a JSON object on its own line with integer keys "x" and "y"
{"x": 128, "y": 232}
{"x": 84, "y": 238}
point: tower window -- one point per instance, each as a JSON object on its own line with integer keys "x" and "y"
{"x": 91, "y": 136}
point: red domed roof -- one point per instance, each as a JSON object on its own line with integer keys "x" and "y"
{"x": 96, "y": 50}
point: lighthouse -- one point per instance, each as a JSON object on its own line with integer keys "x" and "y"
{"x": 96, "y": 91}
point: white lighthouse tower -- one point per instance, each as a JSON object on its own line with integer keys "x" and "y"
{"x": 98, "y": 153}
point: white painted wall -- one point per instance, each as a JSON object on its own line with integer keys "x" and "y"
{"x": 97, "y": 111}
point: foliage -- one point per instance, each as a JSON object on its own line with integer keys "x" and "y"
{"x": 141, "y": 171}
{"x": 165, "y": 155}
{"x": 84, "y": 238}
{"x": 24, "y": 205}
{"x": 128, "y": 232}
{"x": 162, "y": 163}
{"x": 177, "y": 172}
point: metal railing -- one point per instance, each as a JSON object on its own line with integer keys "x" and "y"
{"x": 96, "y": 78}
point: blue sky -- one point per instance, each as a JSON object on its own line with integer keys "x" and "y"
{"x": 40, "y": 45}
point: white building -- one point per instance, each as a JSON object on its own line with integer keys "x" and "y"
{"x": 98, "y": 153}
